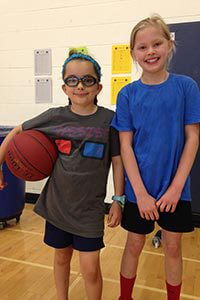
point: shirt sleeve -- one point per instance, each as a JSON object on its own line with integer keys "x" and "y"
{"x": 114, "y": 142}
{"x": 122, "y": 118}
{"x": 192, "y": 103}
{"x": 38, "y": 122}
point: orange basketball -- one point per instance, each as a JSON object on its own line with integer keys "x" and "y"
{"x": 31, "y": 155}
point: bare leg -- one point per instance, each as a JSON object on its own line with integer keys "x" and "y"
{"x": 62, "y": 259}
{"x": 90, "y": 269}
{"x": 134, "y": 245}
{"x": 173, "y": 257}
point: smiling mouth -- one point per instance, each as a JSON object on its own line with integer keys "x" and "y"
{"x": 152, "y": 60}
{"x": 81, "y": 95}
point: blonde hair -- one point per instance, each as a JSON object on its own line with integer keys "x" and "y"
{"x": 156, "y": 21}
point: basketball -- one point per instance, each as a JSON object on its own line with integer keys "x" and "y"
{"x": 31, "y": 155}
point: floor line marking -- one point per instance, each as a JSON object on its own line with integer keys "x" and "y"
{"x": 25, "y": 231}
{"x": 31, "y": 264}
{"x": 76, "y": 281}
{"x": 111, "y": 246}
{"x": 154, "y": 253}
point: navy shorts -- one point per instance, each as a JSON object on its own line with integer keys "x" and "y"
{"x": 58, "y": 238}
{"x": 178, "y": 221}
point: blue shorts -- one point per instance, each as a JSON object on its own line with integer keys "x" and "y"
{"x": 58, "y": 238}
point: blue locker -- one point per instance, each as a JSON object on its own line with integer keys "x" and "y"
{"x": 186, "y": 61}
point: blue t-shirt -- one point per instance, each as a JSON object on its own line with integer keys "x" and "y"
{"x": 157, "y": 115}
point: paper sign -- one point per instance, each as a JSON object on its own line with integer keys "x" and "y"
{"x": 117, "y": 83}
{"x": 121, "y": 59}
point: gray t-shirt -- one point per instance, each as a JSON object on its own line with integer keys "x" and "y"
{"x": 73, "y": 197}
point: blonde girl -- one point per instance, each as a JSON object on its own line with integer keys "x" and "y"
{"x": 158, "y": 119}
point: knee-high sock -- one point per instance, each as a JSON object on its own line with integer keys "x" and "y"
{"x": 126, "y": 286}
{"x": 173, "y": 291}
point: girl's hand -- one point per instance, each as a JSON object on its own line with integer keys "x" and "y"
{"x": 2, "y": 182}
{"x": 147, "y": 207}
{"x": 115, "y": 215}
{"x": 169, "y": 200}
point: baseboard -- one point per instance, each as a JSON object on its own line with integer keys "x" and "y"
{"x": 196, "y": 219}
{"x": 31, "y": 197}
{"x": 107, "y": 207}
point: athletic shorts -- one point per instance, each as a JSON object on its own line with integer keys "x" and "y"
{"x": 178, "y": 221}
{"x": 58, "y": 238}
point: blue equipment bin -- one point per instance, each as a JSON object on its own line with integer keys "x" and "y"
{"x": 12, "y": 197}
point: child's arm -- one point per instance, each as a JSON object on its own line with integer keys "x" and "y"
{"x": 145, "y": 202}
{"x": 170, "y": 199}
{"x": 115, "y": 213}
{"x": 3, "y": 149}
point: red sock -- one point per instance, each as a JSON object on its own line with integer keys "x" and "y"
{"x": 126, "y": 285}
{"x": 173, "y": 291}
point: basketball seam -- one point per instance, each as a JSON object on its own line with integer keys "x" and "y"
{"x": 27, "y": 160}
{"x": 52, "y": 161}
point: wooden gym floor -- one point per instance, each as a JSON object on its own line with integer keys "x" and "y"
{"x": 26, "y": 271}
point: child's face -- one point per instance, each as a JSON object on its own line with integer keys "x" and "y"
{"x": 81, "y": 95}
{"x": 151, "y": 50}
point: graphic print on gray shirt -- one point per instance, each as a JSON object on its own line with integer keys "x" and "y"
{"x": 73, "y": 197}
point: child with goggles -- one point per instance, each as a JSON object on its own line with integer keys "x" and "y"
{"x": 72, "y": 201}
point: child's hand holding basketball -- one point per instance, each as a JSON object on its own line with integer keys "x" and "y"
{"x": 31, "y": 155}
